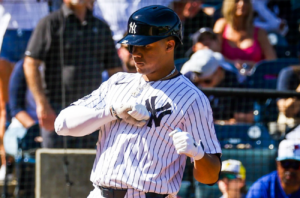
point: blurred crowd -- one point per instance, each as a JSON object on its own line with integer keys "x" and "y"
{"x": 56, "y": 51}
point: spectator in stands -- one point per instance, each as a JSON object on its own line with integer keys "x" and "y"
{"x": 22, "y": 109}
{"x": 76, "y": 48}
{"x": 205, "y": 70}
{"x": 5, "y": 70}
{"x": 232, "y": 179}
{"x": 24, "y": 15}
{"x": 127, "y": 59}
{"x": 288, "y": 11}
{"x": 193, "y": 17}
{"x": 204, "y": 38}
{"x": 267, "y": 19}
{"x": 241, "y": 42}
{"x": 289, "y": 108}
{"x": 285, "y": 182}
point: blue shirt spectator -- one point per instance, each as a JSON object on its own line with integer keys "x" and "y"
{"x": 285, "y": 182}
{"x": 21, "y": 99}
{"x": 269, "y": 186}
{"x": 23, "y": 110}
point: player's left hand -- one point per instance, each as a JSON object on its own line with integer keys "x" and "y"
{"x": 185, "y": 144}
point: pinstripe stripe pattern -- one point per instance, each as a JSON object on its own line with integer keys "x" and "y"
{"x": 144, "y": 158}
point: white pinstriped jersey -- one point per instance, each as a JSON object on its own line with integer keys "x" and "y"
{"x": 144, "y": 158}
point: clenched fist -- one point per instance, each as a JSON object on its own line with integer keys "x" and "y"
{"x": 135, "y": 114}
{"x": 185, "y": 144}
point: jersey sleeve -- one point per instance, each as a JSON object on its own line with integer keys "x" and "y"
{"x": 199, "y": 121}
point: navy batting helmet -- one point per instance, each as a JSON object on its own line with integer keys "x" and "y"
{"x": 152, "y": 23}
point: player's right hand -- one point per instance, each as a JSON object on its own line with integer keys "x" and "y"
{"x": 135, "y": 114}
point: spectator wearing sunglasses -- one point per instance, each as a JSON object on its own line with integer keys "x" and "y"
{"x": 285, "y": 182}
{"x": 232, "y": 179}
{"x": 206, "y": 69}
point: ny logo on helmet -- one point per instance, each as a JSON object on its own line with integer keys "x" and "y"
{"x": 132, "y": 28}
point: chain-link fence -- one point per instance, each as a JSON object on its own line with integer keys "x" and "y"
{"x": 242, "y": 54}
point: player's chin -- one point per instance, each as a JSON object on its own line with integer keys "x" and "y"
{"x": 141, "y": 70}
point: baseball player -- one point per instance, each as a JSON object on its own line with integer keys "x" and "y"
{"x": 148, "y": 122}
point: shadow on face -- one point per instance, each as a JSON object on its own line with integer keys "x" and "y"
{"x": 153, "y": 58}
{"x": 242, "y": 7}
{"x": 289, "y": 172}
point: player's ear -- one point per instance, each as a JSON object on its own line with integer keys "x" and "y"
{"x": 170, "y": 45}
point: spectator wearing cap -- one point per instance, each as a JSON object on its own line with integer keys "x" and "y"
{"x": 205, "y": 69}
{"x": 232, "y": 179}
{"x": 241, "y": 42}
{"x": 285, "y": 182}
{"x": 293, "y": 134}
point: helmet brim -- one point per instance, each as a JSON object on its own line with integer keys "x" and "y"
{"x": 140, "y": 40}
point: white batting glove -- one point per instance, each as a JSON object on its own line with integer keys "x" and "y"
{"x": 185, "y": 144}
{"x": 135, "y": 114}
{"x": 139, "y": 112}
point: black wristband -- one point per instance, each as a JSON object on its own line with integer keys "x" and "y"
{"x": 114, "y": 113}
